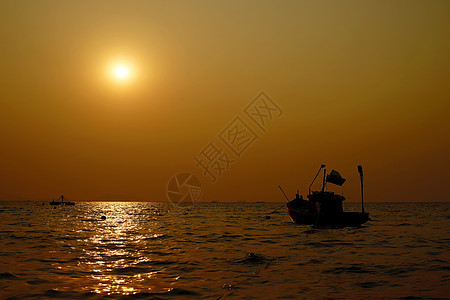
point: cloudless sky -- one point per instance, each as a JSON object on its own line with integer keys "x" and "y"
{"x": 359, "y": 82}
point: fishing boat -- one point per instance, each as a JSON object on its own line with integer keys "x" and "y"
{"x": 324, "y": 207}
{"x": 60, "y": 201}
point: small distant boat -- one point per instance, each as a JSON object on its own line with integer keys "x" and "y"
{"x": 60, "y": 201}
{"x": 323, "y": 207}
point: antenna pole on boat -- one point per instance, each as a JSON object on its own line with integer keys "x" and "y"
{"x": 324, "y": 179}
{"x": 360, "y": 170}
{"x": 321, "y": 167}
{"x": 284, "y": 193}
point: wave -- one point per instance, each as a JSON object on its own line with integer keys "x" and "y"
{"x": 131, "y": 270}
{"x": 8, "y": 276}
{"x": 253, "y": 258}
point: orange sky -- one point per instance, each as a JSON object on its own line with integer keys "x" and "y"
{"x": 360, "y": 82}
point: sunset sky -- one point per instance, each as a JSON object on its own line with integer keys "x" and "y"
{"x": 110, "y": 99}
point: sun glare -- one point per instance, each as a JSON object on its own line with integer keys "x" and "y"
{"x": 121, "y": 72}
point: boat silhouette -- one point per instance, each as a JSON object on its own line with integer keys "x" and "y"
{"x": 60, "y": 201}
{"x": 323, "y": 207}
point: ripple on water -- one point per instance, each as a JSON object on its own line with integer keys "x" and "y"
{"x": 252, "y": 258}
{"x": 131, "y": 270}
{"x": 372, "y": 284}
{"x": 351, "y": 269}
{"x": 8, "y": 276}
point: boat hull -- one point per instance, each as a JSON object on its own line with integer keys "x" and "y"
{"x": 62, "y": 203}
{"x": 305, "y": 216}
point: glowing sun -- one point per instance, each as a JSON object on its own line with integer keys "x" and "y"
{"x": 121, "y": 72}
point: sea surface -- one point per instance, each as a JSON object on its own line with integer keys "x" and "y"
{"x": 220, "y": 251}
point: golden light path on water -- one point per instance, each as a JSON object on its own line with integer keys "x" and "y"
{"x": 115, "y": 253}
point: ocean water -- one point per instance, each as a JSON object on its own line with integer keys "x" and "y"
{"x": 220, "y": 251}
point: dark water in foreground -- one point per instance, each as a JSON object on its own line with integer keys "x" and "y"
{"x": 157, "y": 251}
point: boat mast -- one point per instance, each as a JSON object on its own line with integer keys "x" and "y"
{"x": 321, "y": 167}
{"x": 360, "y": 170}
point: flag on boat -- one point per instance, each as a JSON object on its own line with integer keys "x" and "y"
{"x": 335, "y": 177}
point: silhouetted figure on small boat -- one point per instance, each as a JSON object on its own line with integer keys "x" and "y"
{"x": 60, "y": 201}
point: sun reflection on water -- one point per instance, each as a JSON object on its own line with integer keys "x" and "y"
{"x": 116, "y": 254}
